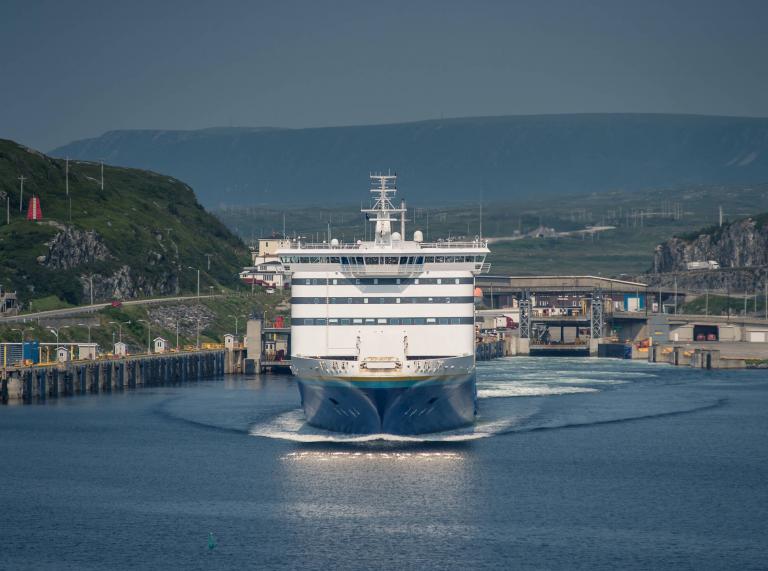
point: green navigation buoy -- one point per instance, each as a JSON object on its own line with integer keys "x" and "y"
{"x": 211, "y": 541}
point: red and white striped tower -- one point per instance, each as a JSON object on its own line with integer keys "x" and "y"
{"x": 34, "y": 212}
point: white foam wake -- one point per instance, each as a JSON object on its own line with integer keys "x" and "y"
{"x": 507, "y": 390}
{"x": 292, "y": 426}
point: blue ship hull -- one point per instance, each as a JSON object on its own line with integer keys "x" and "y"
{"x": 392, "y": 407}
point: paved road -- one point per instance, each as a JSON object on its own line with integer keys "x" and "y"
{"x": 67, "y": 311}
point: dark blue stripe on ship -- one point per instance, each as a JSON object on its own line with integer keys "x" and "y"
{"x": 419, "y": 407}
{"x": 357, "y": 321}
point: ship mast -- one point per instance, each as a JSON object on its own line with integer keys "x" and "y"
{"x": 384, "y": 186}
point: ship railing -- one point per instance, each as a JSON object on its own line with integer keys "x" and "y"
{"x": 381, "y": 270}
{"x": 452, "y": 245}
{"x": 485, "y": 267}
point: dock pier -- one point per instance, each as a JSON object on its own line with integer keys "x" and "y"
{"x": 41, "y": 382}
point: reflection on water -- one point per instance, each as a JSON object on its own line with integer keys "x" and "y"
{"x": 347, "y": 456}
{"x": 292, "y": 426}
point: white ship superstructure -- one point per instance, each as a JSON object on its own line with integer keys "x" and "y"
{"x": 382, "y": 332}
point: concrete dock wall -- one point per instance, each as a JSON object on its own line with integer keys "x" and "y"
{"x": 32, "y": 384}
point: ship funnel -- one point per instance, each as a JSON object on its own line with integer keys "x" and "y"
{"x": 418, "y": 236}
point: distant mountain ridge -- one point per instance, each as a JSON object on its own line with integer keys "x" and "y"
{"x": 446, "y": 160}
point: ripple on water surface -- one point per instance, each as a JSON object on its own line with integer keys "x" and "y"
{"x": 516, "y": 395}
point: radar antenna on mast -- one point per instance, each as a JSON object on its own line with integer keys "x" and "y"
{"x": 384, "y": 186}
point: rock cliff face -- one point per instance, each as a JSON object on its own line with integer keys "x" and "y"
{"x": 125, "y": 283}
{"x": 71, "y": 248}
{"x": 740, "y": 244}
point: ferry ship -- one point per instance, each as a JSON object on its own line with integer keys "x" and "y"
{"x": 382, "y": 331}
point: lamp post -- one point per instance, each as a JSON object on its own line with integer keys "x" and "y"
{"x": 177, "y": 335}
{"x": 235, "y": 317}
{"x": 119, "y": 327}
{"x": 88, "y": 325}
{"x": 149, "y": 335}
{"x": 197, "y": 343}
{"x": 21, "y": 330}
{"x": 198, "y": 279}
{"x": 55, "y": 331}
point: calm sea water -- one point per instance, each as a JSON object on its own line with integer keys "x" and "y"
{"x": 575, "y": 463}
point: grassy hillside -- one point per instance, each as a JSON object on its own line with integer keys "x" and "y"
{"x": 440, "y": 161}
{"x": 216, "y": 319}
{"x": 149, "y": 228}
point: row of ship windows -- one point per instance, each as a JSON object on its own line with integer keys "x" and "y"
{"x": 385, "y": 321}
{"x": 382, "y": 281}
{"x": 381, "y": 260}
{"x": 382, "y": 300}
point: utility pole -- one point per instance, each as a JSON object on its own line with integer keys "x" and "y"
{"x": 21, "y": 191}
{"x": 720, "y": 211}
{"x": 66, "y": 175}
{"x": 675, "y": 295}
{"x": 209, "y": 260}
{"x": 149, "y": 334}
{"x": 706, "y": 302}
{"x": 4, "y": 195}
{"x": 90, "y": 286}
{"x": 198, "y": 279}
{"x": 102, "y": 175}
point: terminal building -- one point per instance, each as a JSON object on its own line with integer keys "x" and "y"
{"x": 266, "y": 269}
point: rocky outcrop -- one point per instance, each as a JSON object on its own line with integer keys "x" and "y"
{"x": 125, "y": 283}
{"x": 735, "y": 281}
{"x": 71, "y": 248}
{"x": 186, "y": 315}
{"x": 740, "y": 244}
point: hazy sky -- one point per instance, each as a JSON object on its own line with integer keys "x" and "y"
{"x": 73, "y": 69}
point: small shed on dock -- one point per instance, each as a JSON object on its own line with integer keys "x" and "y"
{"x": 160, "y": 344}
{"x": 62, "y": 354}
{"x": 87, "y": 350}
{"x": 229, "y": 342}
{"x": 121, "y": 349}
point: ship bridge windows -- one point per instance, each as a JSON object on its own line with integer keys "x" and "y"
{"x": 381, "y": 260}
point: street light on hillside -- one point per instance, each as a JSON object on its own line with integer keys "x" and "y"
{"x": 21, "y": 330}
{"x": 149, "y": 334}
{"x": 88, "y": 325}
{"x": 236, "y": 318}
{"x": 119, "y": 326}
{"x": 198, "y": 279}
{"x": 55, "y": 331}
